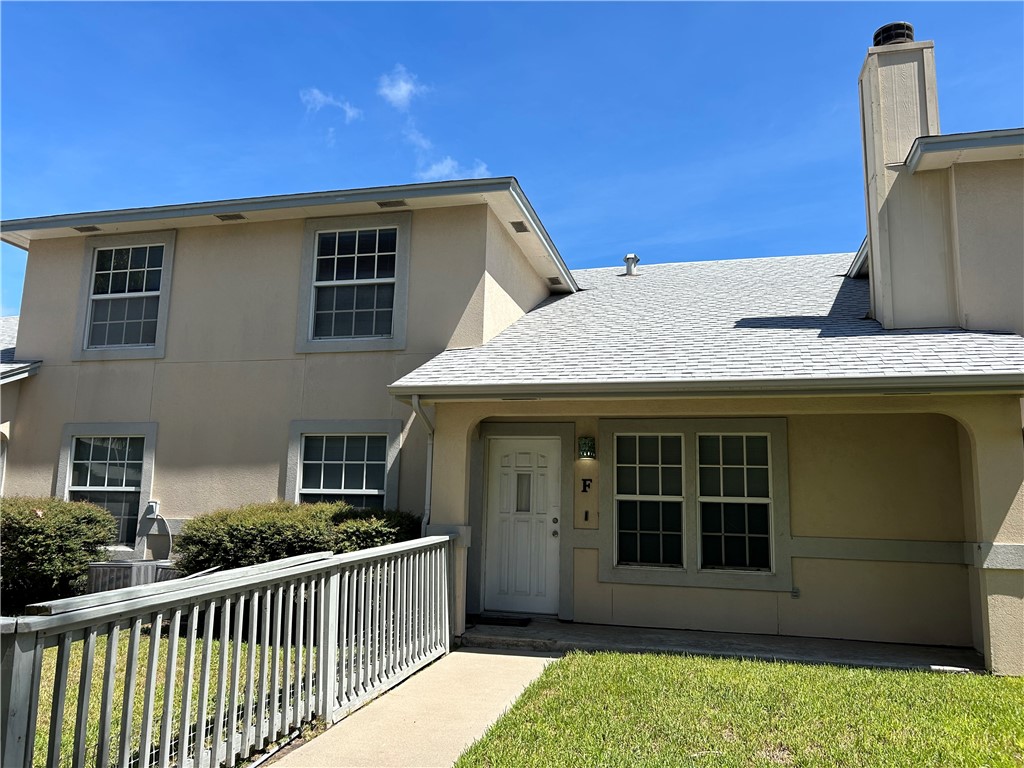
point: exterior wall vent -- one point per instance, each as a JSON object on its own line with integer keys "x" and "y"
{"x": 554, "y": 281}
{"x": 895, "y": 33}
{"x": 391, "y": 203}
{"x": 519, "y": 226}
{"x": 88, "y": 228}
{"x": 230, "y": 217}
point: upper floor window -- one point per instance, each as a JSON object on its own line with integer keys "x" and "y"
{"x": 125, "y": 296}
{"x": 354, "y": 283}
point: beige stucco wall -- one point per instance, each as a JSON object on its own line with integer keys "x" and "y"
{"x": 989, "y": 244}
{"x": 512, "y": 286}
{"x": 894, "y": 484}
{"x": 231, "y": 382}
{"x": 875, "y": 477}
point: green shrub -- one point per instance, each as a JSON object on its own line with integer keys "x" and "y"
{"x": 356, "y": 534}
{"x": 254, "y": 533}
{"x": 258, "y": 533}
{"x": 46, "y": 546}
{"x": 406, "y": 524}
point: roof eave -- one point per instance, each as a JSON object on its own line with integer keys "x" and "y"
{"x": 1000, "y": 383}
{"x": 930, "y": 153}
{"x": 21, "y": 372}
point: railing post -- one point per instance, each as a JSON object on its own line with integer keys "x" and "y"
{"x": 17, "y": 697}
{"x": 449, "y": 588}
{"x": 329, "y": 634}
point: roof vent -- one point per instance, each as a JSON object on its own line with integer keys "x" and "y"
{"x": 87, "y": 228}
{"x": 230, "y": 216}
{"x": 631, "y": 260}
{"x": 895, "y": 33}
{"x": 519, "y": 226}
{"x": 391, "y": 203}
{"x": 554, "y": 281}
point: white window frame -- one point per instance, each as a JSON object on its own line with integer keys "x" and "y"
{"x": 145, "y": 430}
{"x": 304, "y": 341}
{"x": 82, "y": 350}
{"x": 637, "y": 497}
{"x": 779, "y": 579}
{"x": 298, "y": 430}
{"x": 363, "y": 491}
{"x": 734, "y": 500}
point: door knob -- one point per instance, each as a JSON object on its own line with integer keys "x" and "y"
{"x": 555, "y": 534}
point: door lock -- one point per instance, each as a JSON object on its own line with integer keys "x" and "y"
{"x": 554, "y": 519}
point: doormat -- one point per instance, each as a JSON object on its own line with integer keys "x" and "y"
{"x": 499, "y": 621}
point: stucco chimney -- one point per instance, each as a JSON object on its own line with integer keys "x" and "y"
{"x": 631, "y": 260}
{"x": 899, "y": 103}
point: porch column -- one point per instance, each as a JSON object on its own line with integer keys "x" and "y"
{"x": 449, "y": 496}
{"x": 997, "y": 555}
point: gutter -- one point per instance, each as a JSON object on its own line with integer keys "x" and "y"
{"x": 859, "y": 266}
{"x": 420, "y": 414}
{"x": 24, "y": 371}
{"x": 944, "y": 150}
{"x": 997, "y": 383}
{"x": 531, "y": 216}
{"x": 270, "y": 202}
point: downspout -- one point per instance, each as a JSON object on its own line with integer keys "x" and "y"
{"x": 418, "y": 410}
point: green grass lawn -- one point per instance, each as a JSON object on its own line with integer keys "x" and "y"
{"x": 610, "y": 709}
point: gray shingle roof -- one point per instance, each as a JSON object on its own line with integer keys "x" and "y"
{"x": 10, "y": 367}
{"x": 715, "y": 326}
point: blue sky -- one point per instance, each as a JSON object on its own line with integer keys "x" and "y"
{"x": 680, "y": 131}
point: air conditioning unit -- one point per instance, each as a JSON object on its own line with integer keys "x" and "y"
{"x": 115, "y": 574}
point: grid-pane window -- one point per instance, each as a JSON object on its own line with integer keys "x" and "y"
{"x": 649, "y": 499}
{"x": 108, "y": 471}
{"x": 125, "y": 298}
{"x": 349, "y": 468}
{"x": 354, "y": 283}
{"x": 734, "y": 494}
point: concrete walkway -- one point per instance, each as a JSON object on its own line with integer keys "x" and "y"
{"x": 417, "y": 724}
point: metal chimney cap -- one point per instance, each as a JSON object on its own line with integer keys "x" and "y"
{"x": 631, "y": 260}
{"x": 894, "y": 33}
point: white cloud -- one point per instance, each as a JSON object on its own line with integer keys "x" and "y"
{"x": 315, "y": 100}
{"x": 450, "y": 168}
{"x": 399, "y": 87}
{"x": 351, "y": 113}
{"x": 417, "y": 139}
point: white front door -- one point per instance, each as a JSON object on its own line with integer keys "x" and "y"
{"x": 523, "y": 511}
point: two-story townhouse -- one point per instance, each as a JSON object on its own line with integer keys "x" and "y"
{"x": 196, "y": 357}
{"x": 822, "y": 445}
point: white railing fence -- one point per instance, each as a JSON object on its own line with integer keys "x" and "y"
{"x": 206, "y": 671}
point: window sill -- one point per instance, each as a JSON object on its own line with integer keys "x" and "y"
{"x": 359, "y": 344}
{"x": 661, "y": 576}
{"x": 119, "y": 353}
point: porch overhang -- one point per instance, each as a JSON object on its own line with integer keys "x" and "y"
{"x": 1000, "y": 383}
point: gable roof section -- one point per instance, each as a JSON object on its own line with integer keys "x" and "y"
{"x": 504, "y": 195}
{"x": 12, "y": 369}
{"x": 759, "y": 326}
